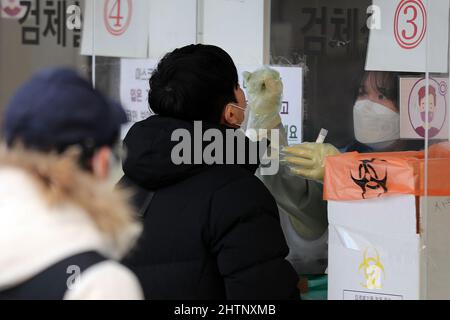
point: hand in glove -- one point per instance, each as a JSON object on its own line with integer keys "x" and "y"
{"x": 265, "y": 90}
{"x": 307, "y": 160}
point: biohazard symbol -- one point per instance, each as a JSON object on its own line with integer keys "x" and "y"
{"x": 373, "y": 271}
{"x": 369, "y": 179}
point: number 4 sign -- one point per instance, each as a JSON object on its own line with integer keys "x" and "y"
{"x": 117, "y": 15}
{"x": 116, "y": 28}
{"x": 413, "y": 36}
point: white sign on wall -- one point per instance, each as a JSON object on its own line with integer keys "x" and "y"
{"x": 151, "y": 28}
{"x": 412, "y": 36}
{"x": 116, "y": 28}
{"x": 292, "y": 104}
{"x": 134, "y": 88}
{"x": 240, "y": 27}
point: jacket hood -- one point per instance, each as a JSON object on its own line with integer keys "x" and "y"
{"x": 150, "y": 148}
{"x": 50, "y": 210}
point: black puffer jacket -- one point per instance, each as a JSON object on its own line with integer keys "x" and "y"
{"x": 210, "y": 232}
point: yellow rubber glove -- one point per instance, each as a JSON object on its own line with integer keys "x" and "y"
{"x": 307, "y": 160}
{"x": 265, "y": 91}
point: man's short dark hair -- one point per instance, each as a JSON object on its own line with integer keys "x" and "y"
{"x": 193, "y": 83}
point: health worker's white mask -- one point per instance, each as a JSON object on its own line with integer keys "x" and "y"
{"x": 375, "y": 123}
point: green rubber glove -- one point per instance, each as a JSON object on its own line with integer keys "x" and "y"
{"x": 307, "y": 160}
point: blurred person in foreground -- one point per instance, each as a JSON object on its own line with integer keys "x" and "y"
{"x": 61, "y": 225}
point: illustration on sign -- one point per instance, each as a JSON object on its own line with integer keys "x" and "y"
{"x": 414, "y": 94}
{"x": 12, "y": 9}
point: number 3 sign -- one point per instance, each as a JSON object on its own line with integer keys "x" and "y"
{"x": 410, "y": 23}
{"x": 413, "y": 36}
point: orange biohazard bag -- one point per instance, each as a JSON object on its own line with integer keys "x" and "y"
{"x": 358, "y": 176}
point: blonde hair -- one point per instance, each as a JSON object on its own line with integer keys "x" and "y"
{"x": 61, "y": 180}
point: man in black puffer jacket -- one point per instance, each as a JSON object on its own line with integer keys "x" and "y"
{"x": 211, "y": 231}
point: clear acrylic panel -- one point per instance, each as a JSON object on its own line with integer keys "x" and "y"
{"x": 435, "y": 117}
{"x": 330, "y": 41}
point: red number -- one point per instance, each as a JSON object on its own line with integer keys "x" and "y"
{"x": 411, "y": 22}
{"x": 117, "y": 17}
{"x": 411, "y": 35}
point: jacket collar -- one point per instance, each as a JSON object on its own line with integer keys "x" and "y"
{"x": 150, "y": 146}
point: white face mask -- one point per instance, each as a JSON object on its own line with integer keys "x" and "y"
{"x": 246, "y": 111}
{"x": 375, "y": 123}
